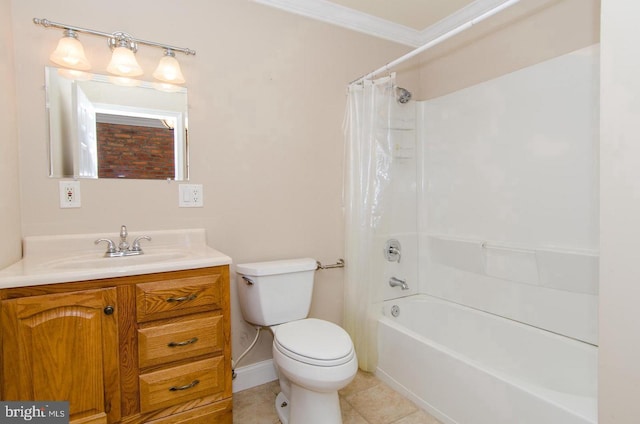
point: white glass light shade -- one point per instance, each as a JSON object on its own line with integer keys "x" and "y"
{"x": 70, "y": 54}
{"x": 168, "y": 70}
{"x": 124, "y": 63}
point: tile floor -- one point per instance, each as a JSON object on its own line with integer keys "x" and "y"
{"x": 366, "y": 400}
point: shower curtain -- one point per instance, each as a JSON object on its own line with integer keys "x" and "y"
{"x": 367, "y": 177}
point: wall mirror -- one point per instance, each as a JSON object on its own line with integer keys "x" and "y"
{"x": 104, "y": 127}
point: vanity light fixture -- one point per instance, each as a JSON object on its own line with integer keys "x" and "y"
{"x": 123, "y": 60}
{"x": 70, "y": 53}
{"x": 168, "y": 69}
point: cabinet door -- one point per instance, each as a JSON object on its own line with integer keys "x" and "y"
{"x": 64, "y": 347}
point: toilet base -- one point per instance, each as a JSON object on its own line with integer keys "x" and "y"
{"x": 308, "y": 407}
{"x": 282, "y": 408}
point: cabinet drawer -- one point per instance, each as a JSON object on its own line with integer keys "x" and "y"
{"x": 160, "y": 299}
{"x": 180, "y": 384}
{"x": 178, "y": 340}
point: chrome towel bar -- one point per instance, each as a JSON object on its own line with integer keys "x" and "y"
{"x": 339, "y": 264}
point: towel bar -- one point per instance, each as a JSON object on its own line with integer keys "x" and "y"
{"x": 338, "y": 264}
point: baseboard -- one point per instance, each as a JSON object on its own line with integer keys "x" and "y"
{"x": 254, "y": 375}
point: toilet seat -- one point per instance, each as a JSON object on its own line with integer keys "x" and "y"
{"x": 314, "y": 342}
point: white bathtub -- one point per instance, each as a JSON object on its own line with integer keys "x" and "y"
{"x": 465, "y": 366}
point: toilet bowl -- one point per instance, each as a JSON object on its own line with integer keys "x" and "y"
{"x": 314, "y": 358}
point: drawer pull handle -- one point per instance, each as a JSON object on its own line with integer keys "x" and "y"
{"x": 184, "y": 343}
{"x": 194, "y": 383}
{"x": 182, "y": 299}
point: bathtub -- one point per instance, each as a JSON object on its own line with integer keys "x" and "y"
{"x": 465, "y": 366}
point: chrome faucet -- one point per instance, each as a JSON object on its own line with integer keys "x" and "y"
{"x": 396, "y": 282}
{"x": 124, "y": 248}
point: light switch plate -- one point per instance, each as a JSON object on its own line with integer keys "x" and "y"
{"x": 190, "y": 196}
{"x": 70, "y": 194}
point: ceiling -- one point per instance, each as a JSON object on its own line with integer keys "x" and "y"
{"x": 409, "y": 22}
{"x": 416, "y": 14}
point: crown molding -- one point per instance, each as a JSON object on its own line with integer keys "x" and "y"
{"x": 336, "y": 14}
{"x": 456, "y": 19}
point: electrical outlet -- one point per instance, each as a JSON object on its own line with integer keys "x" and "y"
{"x": 69, "y": 194}
{"x": 191, "y": 196}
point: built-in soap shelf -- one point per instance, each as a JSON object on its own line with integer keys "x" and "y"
{"x": 574, "y": 270}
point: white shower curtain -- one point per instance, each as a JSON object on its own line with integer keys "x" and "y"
{"x": 367, "y": 174}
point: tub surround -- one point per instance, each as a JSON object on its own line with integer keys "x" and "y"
{"x": 508, "y": 211}
{"x": 67, "y": 258}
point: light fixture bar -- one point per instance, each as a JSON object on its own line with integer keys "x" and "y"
{"x": 47, "y": 23}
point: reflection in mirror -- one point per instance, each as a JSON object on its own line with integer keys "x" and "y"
{"x": 100, "y": 128}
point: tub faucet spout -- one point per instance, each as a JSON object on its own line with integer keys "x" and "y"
{"x": 396, "y": 282}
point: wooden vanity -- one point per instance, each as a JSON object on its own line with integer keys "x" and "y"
{"x": 151, "y": 348}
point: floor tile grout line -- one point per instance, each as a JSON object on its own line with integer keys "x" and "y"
{"x": 367, "y": 381}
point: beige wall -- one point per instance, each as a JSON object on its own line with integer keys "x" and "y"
{"x": 267, "y": 97}
{"x": 524, "y": 34}
{"x": 10, "y": 247}
{"x": 619, "y": 370}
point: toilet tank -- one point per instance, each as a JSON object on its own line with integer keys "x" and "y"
{"x": 275, "y": 292}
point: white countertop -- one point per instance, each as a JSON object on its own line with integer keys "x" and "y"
{"x": 67, "y": 258}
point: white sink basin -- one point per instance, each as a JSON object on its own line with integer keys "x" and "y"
{"x": 97, "y": 261}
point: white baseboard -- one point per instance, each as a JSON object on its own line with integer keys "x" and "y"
{"x": 254, "y": 375}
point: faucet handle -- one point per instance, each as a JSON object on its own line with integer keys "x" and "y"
{"x": 123, "y": 245}
{"x": 135, "y": 247}
{"x": 392, "y": 250}
{"x": 123, "y": 233}
{"x": 111, "y": 248}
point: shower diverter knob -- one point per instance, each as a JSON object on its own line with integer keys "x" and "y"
{"x": 392, "y": 250}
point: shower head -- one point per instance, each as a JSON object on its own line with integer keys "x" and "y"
{"x": 404, "y": 95}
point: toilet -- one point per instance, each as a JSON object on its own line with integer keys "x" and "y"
{"x": 314, "y": 358}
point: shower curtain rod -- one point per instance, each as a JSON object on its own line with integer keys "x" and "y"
{"x": 438, "y": 40}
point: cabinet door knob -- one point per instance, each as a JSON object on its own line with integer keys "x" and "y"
{"x": 108, "y": 310}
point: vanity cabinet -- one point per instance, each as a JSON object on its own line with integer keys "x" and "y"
{"x": 151, "y": 348}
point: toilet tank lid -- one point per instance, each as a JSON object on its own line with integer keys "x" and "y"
{"x": 277, "y": 267}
